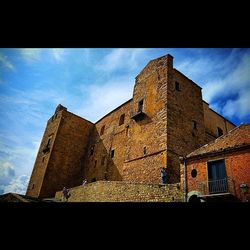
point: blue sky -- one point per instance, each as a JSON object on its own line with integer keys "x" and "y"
{"x": 92, "y": 82}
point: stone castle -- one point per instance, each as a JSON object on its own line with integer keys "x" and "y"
{"x": 165, "y": 119}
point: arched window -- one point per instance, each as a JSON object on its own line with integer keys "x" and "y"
{"x": 122, "y": 118}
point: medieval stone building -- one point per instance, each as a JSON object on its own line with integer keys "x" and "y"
{"x": 165, "y": 119}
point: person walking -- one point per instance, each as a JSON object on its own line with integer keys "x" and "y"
{"x": 164, "y": 175}
{"x": 65, "y": 194}
{"x": 84, "y": 182}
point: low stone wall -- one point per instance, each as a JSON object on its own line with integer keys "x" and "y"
{"x": 118, "y": 191}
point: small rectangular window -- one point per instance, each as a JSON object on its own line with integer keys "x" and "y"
{"x": 177, "y": 86}
{"x": 194, "y": 124}
{"x": 122, "y": 118}
{"x": 95, "y": 163}
{"x": 145, "y": 150}
{"x": 112, "y": 153}
{"x": 102, "y": 130}
{"x": 48, "y": 143}
{"x": 127, "y": 128}
{"x": 219, "y": 131}
{"x": 46, "y": 148}
{"x": 92, "y": 149}
{"x": 33, "y": 185}
{"x": 140, "y": 106}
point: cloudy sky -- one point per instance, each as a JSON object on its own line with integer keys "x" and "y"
{"x": 92, "y": 82}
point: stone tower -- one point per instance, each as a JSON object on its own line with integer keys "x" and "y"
{"x": 60, "y": 157}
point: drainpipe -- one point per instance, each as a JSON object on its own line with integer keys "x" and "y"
{"x": 183, "y": 160}
{"x": 185, "y": 180}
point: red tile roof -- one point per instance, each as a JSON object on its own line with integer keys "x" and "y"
{"x": 237, "y": 137}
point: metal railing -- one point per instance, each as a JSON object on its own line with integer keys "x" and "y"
{"x": 225, "y": 185}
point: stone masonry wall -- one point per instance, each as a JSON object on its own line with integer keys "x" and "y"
{"x": 100, "y": 164}
{"x": 43, "y": 157}
{"x": 147, "y": 140}
{"x": 212, "y": 121}
{"x": 67, "y": 156}
{"x": 139, "y": 146}
{"x": 116, "y": 191}
{"x": 62, "y": 163}
{"x": 184, "y": 108}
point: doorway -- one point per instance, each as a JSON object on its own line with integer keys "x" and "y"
{"x": 217, "y": 178}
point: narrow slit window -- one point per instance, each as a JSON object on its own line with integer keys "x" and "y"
{"x": 102, "y": 130}
{"x": 219, "y": 131}
{"x": 145, "y": 150}
{"x": 177, "y": 86}
{"x": 92, "y": 149}
{"x": 112, "y": 153}
{"x": 122, "y": 118}
{"x": 194, "y": 124}
{"x": 48, "y": 143}
{"x": 140, "y": 106}
{"x": 46, "y": 148}
{"x": 127, "y": 128}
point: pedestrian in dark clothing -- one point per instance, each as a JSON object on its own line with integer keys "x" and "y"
{"x": 65, "y": 194}
{"x": 164, "y": 175}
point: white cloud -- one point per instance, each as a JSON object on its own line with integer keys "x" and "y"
{"x": 5, "y": 62}
{"x": 18, "y": 157}
{"x": 6, "y": 169}
{"x": 205, "y": 66}
{"x": 58, "y": 54}
{"x": 16, "y": 160}
{"x": 31, "y": 99}
{"x": 193, "y": 68}
{"x": 17, "y": 185}
{"x": 234, "y": 87}
{"x": 213, "y": 89}
{"x": 121, "y": 58}
{"x": 103, "y": 98}
{"x": 239, "y": 107}
{"x": 30, "y": 54}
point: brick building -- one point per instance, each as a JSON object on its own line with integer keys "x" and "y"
{"x": 220, "y": 169}
{"x": 165, "y": 119}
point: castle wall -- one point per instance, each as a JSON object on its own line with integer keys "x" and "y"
{"x": 43, "y": 156}
{"x": 185, "y": 120}
{"x": 100, "y": 164}
{"x": 139, "y": 145}
{"x": 117, "y": 191}
{"x": 147, "y": 141}
{"x": 213, "y": 121}
{"x": 64, "y": 161}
